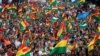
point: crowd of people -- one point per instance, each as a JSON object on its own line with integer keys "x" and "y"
{"x": 43, "y": 24}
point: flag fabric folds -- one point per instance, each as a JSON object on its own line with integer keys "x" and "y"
{"x": 23, "y": 51}
{"x": 60, "y": 48}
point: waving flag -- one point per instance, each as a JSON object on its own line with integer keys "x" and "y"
{"x": 61, "y": 28}
{"x": 60, "y": 48}
{"x": 82, "y": 25}
{"x": 96, "y": 40}
{"x": 23, "y": 25}
{"x": 83, "y": 15}
{"x": 23, "y": 51}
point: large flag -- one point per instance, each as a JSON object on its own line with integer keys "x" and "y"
{"x": 83, "y": 15}
{"x": 61, "y": 28}
{"x": 23, "y": 25}
{"x": 93, "y": 42}
{"x": 23, "y": 51}
{"x": 60, "y": 48}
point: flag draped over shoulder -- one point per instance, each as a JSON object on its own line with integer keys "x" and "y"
{"x": 60, "y": 48}
{"x": 23, "y": 25}
{"x": 93, "y": 42}
{"x": 23, "y": 51}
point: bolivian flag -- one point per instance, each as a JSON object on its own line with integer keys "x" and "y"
{"x": 23, "y": 25}
{"x": 60, "y": 48}
{"x": 61, "y": 28}
{"x": 52, "y": 2}
{"x": 23, "y": 51}
{"x": 93, "y": 42}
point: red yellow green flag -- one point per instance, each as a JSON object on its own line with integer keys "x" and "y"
{"x": 23, "y": 25}
{"x": 60, "y": 48}
{"x": 93, "y": 42}
{"x": 23, "y": 51}
{"x": 52, "y": 2}
{"x": 61, "y": 28}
